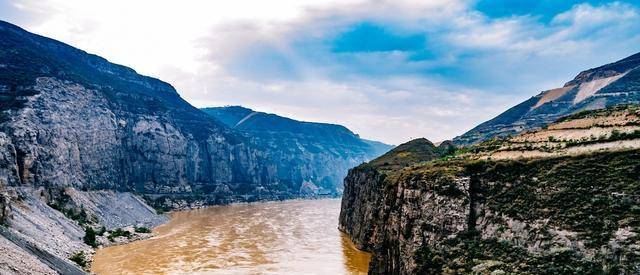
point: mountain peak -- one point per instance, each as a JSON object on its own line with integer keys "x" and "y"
{"x": 29, "y": 55}
{"x": 605, "y": 86}
{"x": 414, "y": 151}
{"x": 612, "y": 69}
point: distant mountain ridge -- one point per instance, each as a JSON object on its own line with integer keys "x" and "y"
{"x": 245, "y": 119}
{"x": 609, "y": 85}
{"x": 241, "y": 118}
{"x": 328, "y": 150}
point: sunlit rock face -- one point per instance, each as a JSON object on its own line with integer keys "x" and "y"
{"x": 76, "y": 120}
{"x": 609, "y": 85}
{"x": 71, "y": 119}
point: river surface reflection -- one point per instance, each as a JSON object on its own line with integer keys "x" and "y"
{"x": 292, "y": 237}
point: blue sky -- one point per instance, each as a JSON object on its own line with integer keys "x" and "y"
{"x": 389, "y": 70}
{"x": 545, "y": 10}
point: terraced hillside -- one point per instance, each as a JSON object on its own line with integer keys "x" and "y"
{"x": 611, "y": 129}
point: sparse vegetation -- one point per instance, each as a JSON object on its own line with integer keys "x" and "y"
{"x": 415, "y": 151}
{"x": 142, "y": 230}
{"x": 468, "y": 253}
{"x": 80, "y": 258}
{"x": 592, "y": 195}
{"x": 118, "y": 233}
{"x": 609, "y": 125}
{"x": 62, "y": 205}
{"x": 615, "y": 135}
{"x": 90, "y": 237}
{"x": 575, "y": 193}
{"x": 600, "y": 112}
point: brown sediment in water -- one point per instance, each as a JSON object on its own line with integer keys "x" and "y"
{"x": 293, "y": 237}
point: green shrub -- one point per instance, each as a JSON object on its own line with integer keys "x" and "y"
{"x": 80, "y": 216}
{"x": 118, "y": 233}
{"x": 143, "y": 230}
{"x": 79, "y": 258}
{"x": 101, "y": 231}
{"x": 90, "y": 237}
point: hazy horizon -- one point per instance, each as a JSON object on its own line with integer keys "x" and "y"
{"x": 387, "y": 70}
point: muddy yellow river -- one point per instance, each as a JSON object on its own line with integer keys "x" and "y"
{"x": 293, "y": 237}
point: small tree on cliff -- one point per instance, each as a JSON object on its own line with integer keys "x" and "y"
{"x": 90, "y": 237}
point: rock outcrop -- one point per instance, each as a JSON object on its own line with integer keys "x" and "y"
{"x": 606, "y": 86}
{"x": 15, "y": 260}
{"x": 466, "y": 213}
{"x": 364, "y": 198}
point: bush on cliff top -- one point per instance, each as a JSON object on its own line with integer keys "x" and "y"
{"x": 142, "y": 230}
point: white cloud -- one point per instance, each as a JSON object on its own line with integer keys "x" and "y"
{"x": 148, "y": 33}
{"x": 272, "y": 55}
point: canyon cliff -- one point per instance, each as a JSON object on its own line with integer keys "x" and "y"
{"x": 72, "y": 119}
{"x": 87, "y": 145}
{"x": 522, "y": 217}
{"x": 563, "y": 199}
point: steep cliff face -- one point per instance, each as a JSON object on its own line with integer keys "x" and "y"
{"x": 363, "y": 200}
{"x": 568, "y": 213}
{"x": 71, "y": 119}
{"x": 361, "y": 204}
{"x": 76, "y": 120}
{"x": 314, "y": 156}
{"x": 531, "y": 217}
{"x": 609, "y": 85}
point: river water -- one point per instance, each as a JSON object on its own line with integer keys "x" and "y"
{"x": 292, "y": 237}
